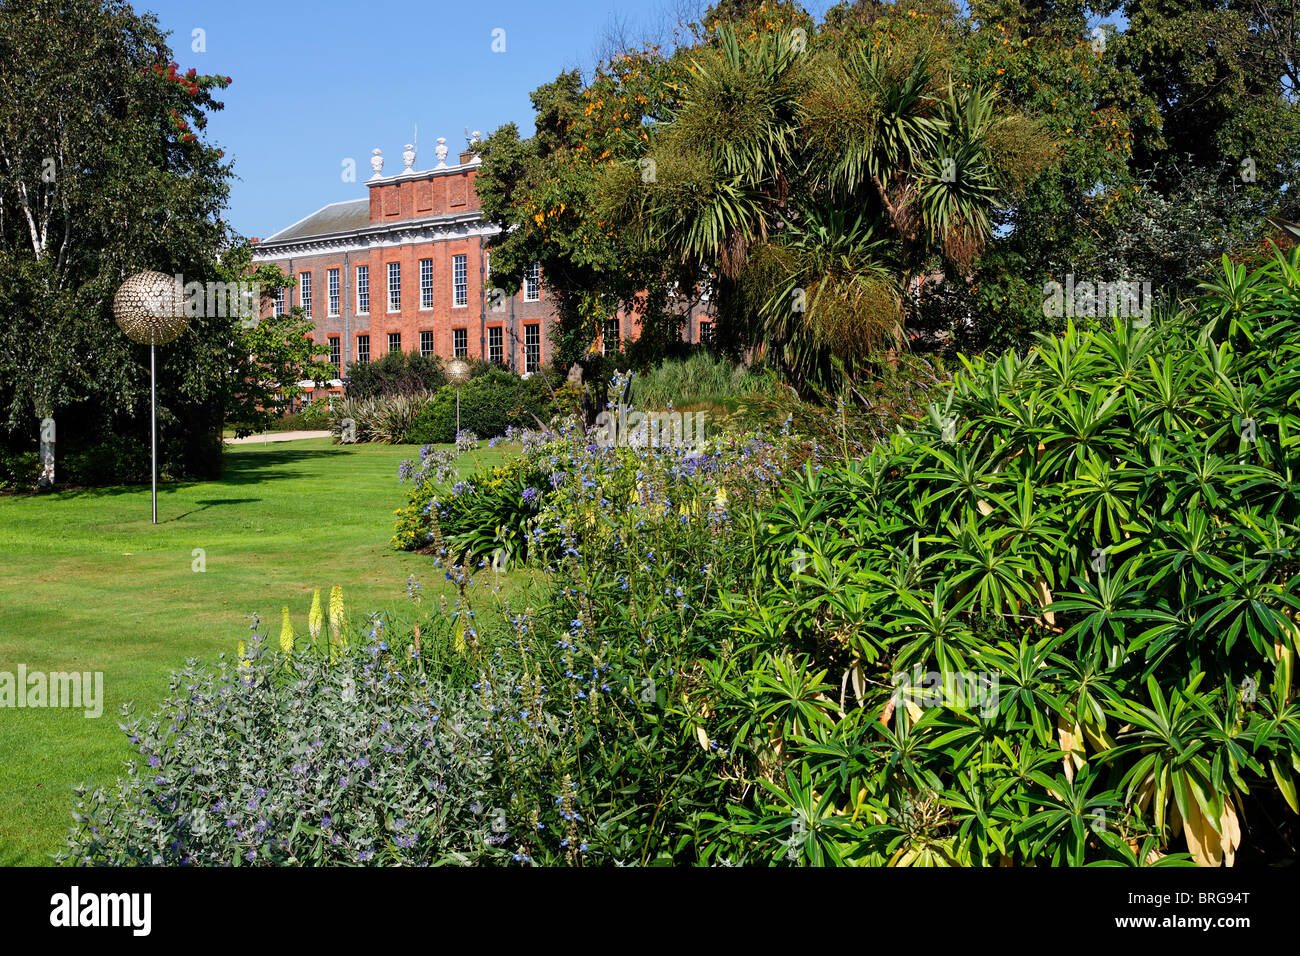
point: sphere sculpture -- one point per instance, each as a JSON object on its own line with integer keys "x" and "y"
{"x": 150, "y": 308}
{"x": 457, "y": 372}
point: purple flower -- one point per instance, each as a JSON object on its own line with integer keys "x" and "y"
{"x": 530, "y": 495}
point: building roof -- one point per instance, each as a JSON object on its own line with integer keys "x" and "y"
{"x": 329, "y": 220}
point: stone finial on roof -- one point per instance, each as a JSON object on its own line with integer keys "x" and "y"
{"x": 408, "y": 159}
{"x": 441, "y": 151}
{"x": 377, "y": 163}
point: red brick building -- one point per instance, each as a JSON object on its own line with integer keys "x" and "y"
{"x": 407, "y": 267}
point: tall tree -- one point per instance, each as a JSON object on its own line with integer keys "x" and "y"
{"x": 103, "y": 172}
{"x": 1221, "y": 76}
{"x": 1177, "y": 136}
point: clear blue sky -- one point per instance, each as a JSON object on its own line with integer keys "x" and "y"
{"x": 320, "y": 81}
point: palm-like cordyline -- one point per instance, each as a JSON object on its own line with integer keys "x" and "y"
{"x": 722, "y": 162}
{"x": 831, "y": 295}
{"x": 768, "y": 139}
{"x": 960, "y": 184}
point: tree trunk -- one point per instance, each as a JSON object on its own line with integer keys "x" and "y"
{"x": 46, "y": 477}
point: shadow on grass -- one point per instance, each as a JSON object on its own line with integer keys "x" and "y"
{"x": 212, "y": 503}
{"x": 244, "y": 466}
{"x": 240, "y": 467}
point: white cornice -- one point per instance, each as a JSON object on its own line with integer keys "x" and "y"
{"x": 378, "y": 236}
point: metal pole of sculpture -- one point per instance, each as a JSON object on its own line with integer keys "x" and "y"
{"x": 150, "y": 309}
{"x": 153, "y": 430}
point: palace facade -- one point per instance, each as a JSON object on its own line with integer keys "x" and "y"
{"x": 406, "y": 268}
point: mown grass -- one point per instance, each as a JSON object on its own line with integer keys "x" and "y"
{"x": 87, "y": 583}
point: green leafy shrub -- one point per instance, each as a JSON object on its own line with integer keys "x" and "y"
{"x": 396, "y": 373}
{"x": 314, "y": 417}
{"x": 105, "y": 463}
{"x": 473, "y": 518}
{"x": 18, "y": 468}
{"x": 489, "y": 404}
{"x": 1053, "y": 623}
{"x": 1099, "y": 542}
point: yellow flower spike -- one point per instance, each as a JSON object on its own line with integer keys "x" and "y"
{"x": 286, "y": 632}
{"x": 315, "y": 618}
{"x": 336, "y": 614}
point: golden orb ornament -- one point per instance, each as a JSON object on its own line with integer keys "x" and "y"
{"x": 150, "y": 308}
{"x": 457, "y": 372}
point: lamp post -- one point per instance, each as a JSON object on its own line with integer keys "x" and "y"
{"x": 150, "y": 309}
{"x": 458, "y": 375}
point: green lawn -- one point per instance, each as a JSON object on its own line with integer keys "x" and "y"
{"x": 88, "y": 584}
